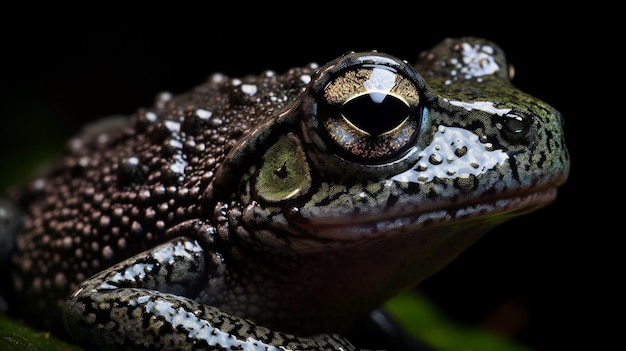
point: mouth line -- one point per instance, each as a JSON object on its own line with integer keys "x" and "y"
{"x": 496, "y": 209}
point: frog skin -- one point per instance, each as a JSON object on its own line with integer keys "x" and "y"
{"x": 273, "y": 212}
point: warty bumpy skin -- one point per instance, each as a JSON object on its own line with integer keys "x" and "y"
{"x": 273, "y": 212}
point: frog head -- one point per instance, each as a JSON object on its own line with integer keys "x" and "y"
{"x": 380, "y": 173}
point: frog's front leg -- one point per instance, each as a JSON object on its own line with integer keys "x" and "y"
{"x": 146, "y": 303}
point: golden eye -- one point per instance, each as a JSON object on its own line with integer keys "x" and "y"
{"x": 369, "y": 113}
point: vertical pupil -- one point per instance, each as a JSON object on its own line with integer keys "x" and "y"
{"x": 375, "y": 112}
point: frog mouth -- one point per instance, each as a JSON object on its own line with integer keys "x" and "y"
{"x": 487, "y": 213}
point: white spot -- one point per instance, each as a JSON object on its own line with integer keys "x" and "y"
{"x": 305, "y": 78}
{"x": 133, "y": 161}
{"x": 172, "y": 126}
{"x": 204, "y": 114}
{"x": 134, "y": 272}
{"x": 179, "y": 164}
{"x": 176, "y": 144}
{"x": 163, "y": 98}
{"x": 217, "y": 78}
{"x": 201, "y": 329}
{"x": 485, "y": 106}
{"x": 84, "y": 161}
{"x": 446, "y": 140}
{"x": 144, "y": 195}
{"x": 139, "y": 301}
{"x": 249, "y": 89}
{"x": 478, "y": 60}
{"x": 380, "y": 80}
{"x": 151, "y": 116}
{"x": 167, "y": 254}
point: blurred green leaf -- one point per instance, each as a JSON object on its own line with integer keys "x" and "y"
{"x": 15, "y": 336}
{"x": 422, "y": 319}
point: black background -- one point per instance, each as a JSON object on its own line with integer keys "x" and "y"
{"x": 62, "y": 68}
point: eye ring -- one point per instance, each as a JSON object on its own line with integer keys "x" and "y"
{"x": 369, "y": 110}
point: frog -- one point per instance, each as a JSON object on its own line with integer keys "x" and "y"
{"x": 276, "y": 211}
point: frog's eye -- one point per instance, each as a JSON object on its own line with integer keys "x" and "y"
{"x": 369, "y": 113}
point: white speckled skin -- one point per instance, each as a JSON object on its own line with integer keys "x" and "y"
{"x": 214, "y": 219}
